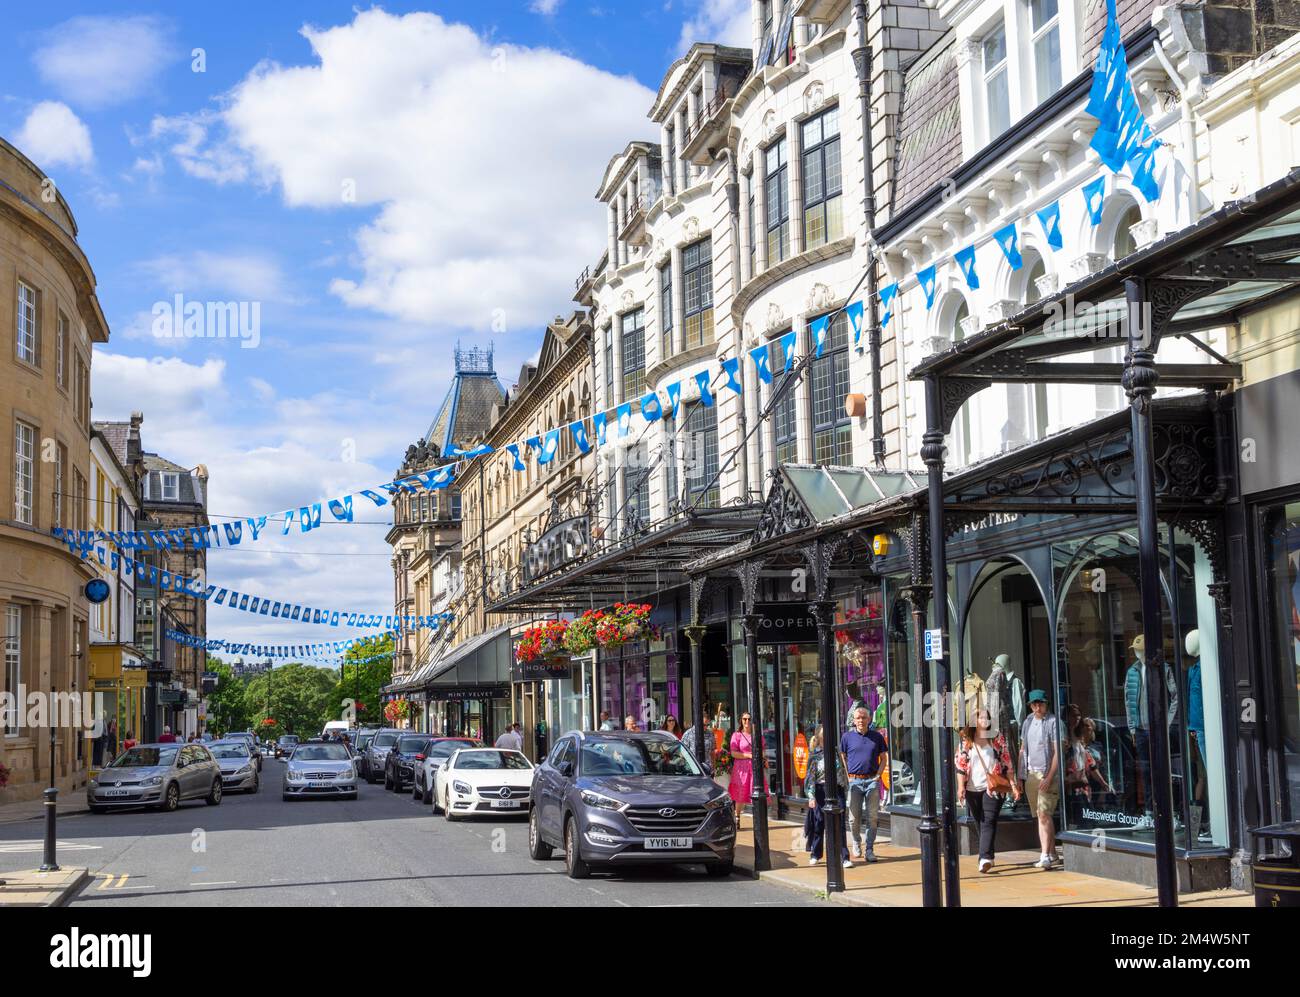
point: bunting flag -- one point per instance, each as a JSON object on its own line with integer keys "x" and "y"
{"x": 623, "y": 417}
{"x": 579, "y": 432}
{"x": 887, "y": 295}
{"x": 965, "y": 258}
{"x": 598, "y": 422}
{"x": 759, "y": 355}
{"x": 1050, "y": 218}
{"x": 854, "y": 312}
{"x": 674, "y": 397}
{"x": 1008, "y": 240}
{"x": 787, "y": 349}
{"x": 550, "y": 446}
{"x": 1094, "y": 198}
{"x": 818, "y": 330}
{"x": 1123, "y": 137}
{"x": 731, "y": 367}
{"x": 513, "y": 450}
{"x": 927, "y": 279}
{"x": 706, "y": 394}
{"x": 533, "y": 443}
{"x": 652, "y": 409}
{"x": 306, "y": 649}
{"x": 479, "y": 451}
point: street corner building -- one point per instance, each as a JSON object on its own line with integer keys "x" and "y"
{"x": 49, "y": 321}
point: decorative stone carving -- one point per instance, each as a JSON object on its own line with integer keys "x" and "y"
{"x": 691, "y": 228}
{"x": 971, "y": 324}
{"x": 1048, "y": 284}
{"x": 1144, "y": 232}
{"x": 1087, "y": 264}
{"x": 931, "y": 345}
{"x": 819, "y": 298}
{"x": 769, "y": 124}
{"x": 775, "y": 317}
{"x": 628, "y": 299}
{"x": 744, "y": 149}
{"x": 660, "y": 248}
{"x": 1000, "y": 311}
{"x": 814, "y": 95}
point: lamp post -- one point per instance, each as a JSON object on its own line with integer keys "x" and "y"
{"x": 695, "y": 634}
{"x": 833, "y": 810}
{"x": 758, "y": 792}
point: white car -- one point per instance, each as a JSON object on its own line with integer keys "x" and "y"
{"x": 483, "y": 780}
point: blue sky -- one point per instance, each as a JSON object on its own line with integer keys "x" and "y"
{"x": 379, "y": 182}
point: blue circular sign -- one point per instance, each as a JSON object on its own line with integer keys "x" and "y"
{"x": 97, "y": 590}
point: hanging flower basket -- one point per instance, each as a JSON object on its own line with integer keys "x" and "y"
{"x": 580, "y": 637}
{"x": 396, "y": 709}
{"x": 627, "y": 622}
{"x": 544, "y": 641}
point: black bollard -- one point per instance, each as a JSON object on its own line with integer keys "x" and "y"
{"x": 51, "y": 812}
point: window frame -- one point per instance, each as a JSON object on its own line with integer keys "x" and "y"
{"x": 785, "y": 446}
{"x": 836, "y": 358}
{"x": 175, "y": 480}
{"x": 27, "y": 331}
{"x": 777, "y": 225}
{"x": 13, "y": 665}
{"x": 826, "y": 201}
{"x": 702, "y": 272}
{"x": 24, "y": 498}
{"x": 989, "y": 73}
{"x": 666, "y": 310}
{"x": 633, "y": 372}
{"x": 1051, "y": 26}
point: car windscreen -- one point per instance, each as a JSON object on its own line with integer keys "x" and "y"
{"x": 322, "y": 753}
{"x": 385, "y": 740}
{"x": 443, "y": 749}
{"x": 229, "y": 750}
{"x": 289, "y": 739}
{"x": 637, "y": 757}
{"x": 492, "y": 759}
{"x": 146, "y": 757}
{"x": 410, "y": 745}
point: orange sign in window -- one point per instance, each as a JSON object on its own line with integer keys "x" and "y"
{"x": 801, "y": 755}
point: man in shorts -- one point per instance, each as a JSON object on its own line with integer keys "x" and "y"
{"x": 1040, "y": 757}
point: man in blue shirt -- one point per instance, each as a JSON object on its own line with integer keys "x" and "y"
{"x": 863, "y": 753}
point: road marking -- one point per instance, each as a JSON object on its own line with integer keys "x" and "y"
{"x": 220, "y": 882}
{"x": 107, "y": 884}
{"x": 14, "y": 847}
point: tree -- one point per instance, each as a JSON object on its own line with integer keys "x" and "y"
{"x": 298, "y": 698}
{"x": 226, "y": 707}
{"x": 362, "y": 679}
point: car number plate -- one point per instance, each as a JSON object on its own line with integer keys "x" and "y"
{"x": 318, "y": 785}
{"x": 118, "y": 792}
{"x": 666, "y": 843}
{"x": 504, "y": 804}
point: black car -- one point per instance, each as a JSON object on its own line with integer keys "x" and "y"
{"x": 399, "y": 765}
{"x": 622, "y": 798}
{"x": 286, "y": 744}
{"x": 359, "y": 745}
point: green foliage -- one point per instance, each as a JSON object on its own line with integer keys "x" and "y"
{"x": 360, "y": 683}
{"x": 298, "y": 697}
{"x": 226, "y": 709}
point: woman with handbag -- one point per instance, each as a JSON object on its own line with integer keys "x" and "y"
{"x": 984, "y": 777}
{"x": 814, "y": 785}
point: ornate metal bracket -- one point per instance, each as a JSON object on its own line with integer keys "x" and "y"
{"x": 819, "y": 555}
{"x": 954, "y": 393}
{"x": 748, "y": 572}
{"x": 1166, "y": 297}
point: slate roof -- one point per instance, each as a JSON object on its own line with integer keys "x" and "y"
{"x": 465, "y": 414}
{"x": 116, "y": 435}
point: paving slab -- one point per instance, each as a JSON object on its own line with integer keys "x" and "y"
{"x": 33, "y": 888}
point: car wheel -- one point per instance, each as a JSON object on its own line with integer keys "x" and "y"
{"x": 427, "y": 795}
{"x": 437, "y": 807}
{"x": 446, "y": 807}
{"x": 416, "y": 795}
{"x": 537, "y": 848}
{"x": 388, "y": 783}
{"x": 721, "y": 870}
{"x": 573, "y": 863}
{"x": 172, "y": 798}
{"x": 285, "y": 797}
{"x": 257, "y": 784}
{"x": 214, "y": 797}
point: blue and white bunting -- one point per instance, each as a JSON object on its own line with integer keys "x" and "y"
{"x": 1094, "y": 199}
{"x": 927, "y": 279}
{"x": 513, "y": 450}
{"x": 887, "y": 295}
{"x": 479, "y": 451}
{"x": 579, "y": 432}
{"x": 759, "y": 355}
{"x": 788, "y": 342}
{"x": 598, "y": 423}
{"x": 702, "y": 379}
{"x": 965, "y": 258}
{"x": 853, "y": 311}
{"x": 1123, "y": 137}
{"x": 550, "y": 446}
{"x": 817, "y": 329}
{"x": 623, "y": 416}
{"x": 674, "y": 398}
{"x": 1008, "y": 240}
{"x": 652, "y": 409}
{"x": 1050, "y": 218}
{"x": 731, "y": 367}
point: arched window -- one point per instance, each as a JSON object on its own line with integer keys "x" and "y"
{"x": 1123, "y": 243}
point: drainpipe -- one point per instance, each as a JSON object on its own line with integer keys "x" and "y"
{"x": 1187, "y": 93}
{"x": 733, "y": 206}
{"x": 862, "y": 61}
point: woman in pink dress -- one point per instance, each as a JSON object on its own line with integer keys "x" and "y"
{"x": 742, "y": 769}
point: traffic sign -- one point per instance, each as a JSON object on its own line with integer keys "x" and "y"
{"x": 933, "y": 645}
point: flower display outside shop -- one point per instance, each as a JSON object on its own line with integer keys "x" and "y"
{"x": 627, "y": 622}
{"x": 542, "y": 641}
{"x": 396, "y": 709}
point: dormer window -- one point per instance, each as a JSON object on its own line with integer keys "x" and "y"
{"x": 997, "y": 94}
{"x": 1045, "y": 23}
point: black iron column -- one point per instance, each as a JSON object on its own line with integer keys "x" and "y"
{"x": 918, "y": 595}
{"x": 1139, "y": 382}
{"x": 695, "y": 634}
{"x": 758, "y": 792}
{"x": 932, "y": 453}
{"x": 833, "y": 810}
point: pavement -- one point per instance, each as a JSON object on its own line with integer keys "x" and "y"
{"x": 13, "y": 813}
{"x": 895, "y": 880}
{"x": 33, "y": 888}
{"x": 383, "y": 849}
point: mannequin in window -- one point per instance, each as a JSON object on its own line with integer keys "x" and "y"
{"x": 998, "y": 691}
{"x": 1139, "y": 724}
{"x": 973, "y": 698}
{"x": 1196, "y": 734}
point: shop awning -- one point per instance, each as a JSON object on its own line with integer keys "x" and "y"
{"x": 482, "y": 660}
{"x": 636, "y": 567}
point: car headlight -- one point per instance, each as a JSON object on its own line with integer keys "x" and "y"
{"x": 464, "y": 788}
{"x": 245, "y": 770}
{"x": 153, "y": 780}
{"x": 594, "y": 799}
{"x": 722, "y": 802}
{"x": 295, "y": 776}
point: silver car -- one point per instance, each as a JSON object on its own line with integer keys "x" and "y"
{"x": 157, "y": 775}
{"x": 320, "y": 769}
{"x": 377, "y": 751}
{"x": 238, "y": 767}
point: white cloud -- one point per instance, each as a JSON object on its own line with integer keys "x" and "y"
{"x": 726, "y": 22}
{"x": 544, "y": 7}
{"x": 188, "y": 135}
{"x": 53, "y": 136}
{"x": 482, "y": 161}
{"x": 100, "y": 61}
{"x": 242, "y": 276}
{"x": 121, "y": 384}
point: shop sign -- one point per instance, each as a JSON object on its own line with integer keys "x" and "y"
{"x": 171, "y": 697}
{"x": 458, "y": 694}
{"x": 135, "y": 678}
{"x": 559, "y": 546}
{"x": 991, "y": 521}
{"x": 160, "y": 674}
{"x": 801, "y": 756}
{"x": 542, "y": 669}
{"x": 786, "y": 623}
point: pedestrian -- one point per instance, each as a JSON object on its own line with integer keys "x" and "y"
{"x": 743, "y": 751}
{"x": 629, "y": 723}
{"x": 984, "y": 777}
{"x": 700, "y": 747}
{"x": 1037, "y": 767}
{"x": 167, "y": 737}
{"x": 671, "y": 726}
{"x": 864, "y": 754}
{"x": 512, "y": 739}
{"x": 129, "y": 742}
{"x": 814, "y": 785}
{"x": 605, "y": 722}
